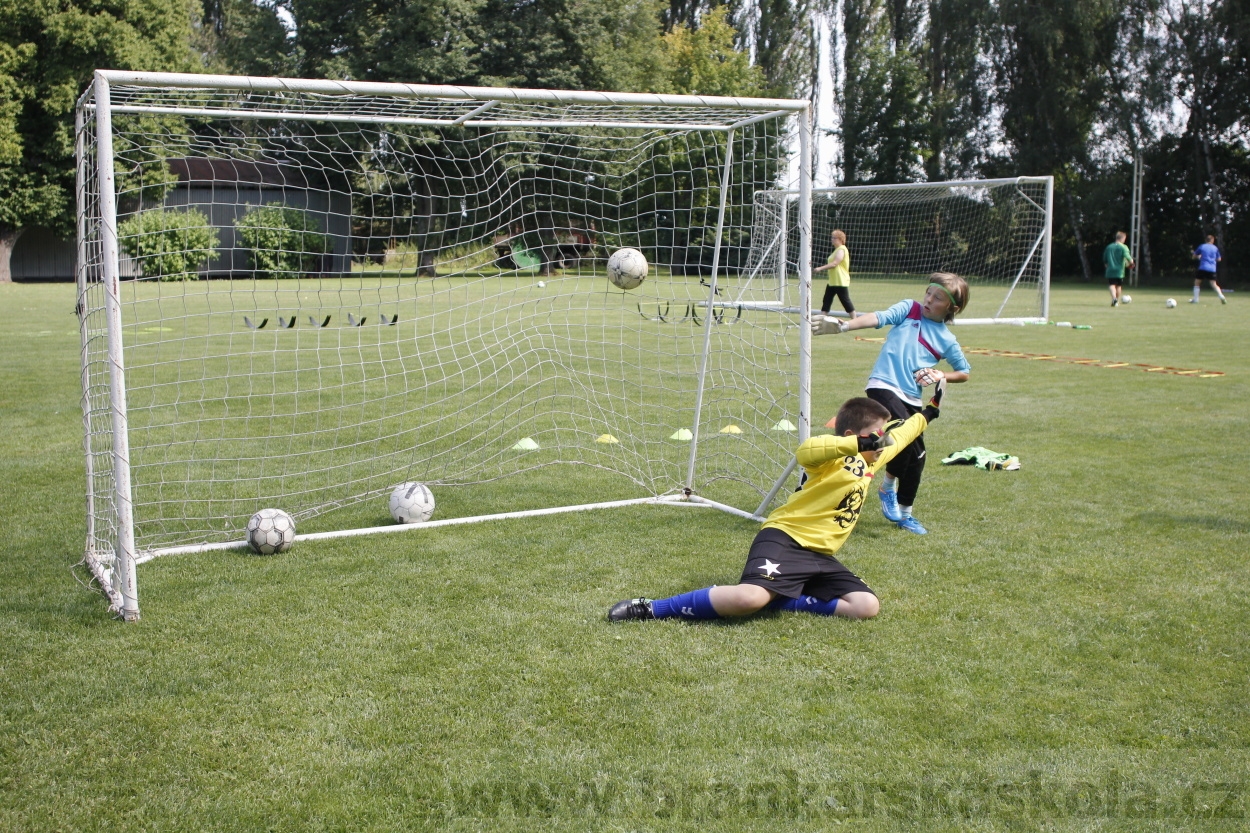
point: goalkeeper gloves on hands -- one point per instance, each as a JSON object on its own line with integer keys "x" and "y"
{"x": 876, "y": 442}
{"x": 824, "y": 325}
{"x": 930, "y": 411}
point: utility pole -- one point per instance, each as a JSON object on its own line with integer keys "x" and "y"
{"x": 1135, "y": 224}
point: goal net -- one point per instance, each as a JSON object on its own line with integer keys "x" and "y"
{"x": 994, "y": 233}
{"x": 299, "y": 294}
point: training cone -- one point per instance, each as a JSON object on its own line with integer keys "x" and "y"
{"x": 731, "y": 429}
{"x": 607, "y": 439}
{"x": 682, "y": 434}
{"x": 526, "y": 444}
{"x": 785, "y": 425}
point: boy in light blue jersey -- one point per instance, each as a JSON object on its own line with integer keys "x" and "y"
{"x": 1208, "y": 257}
{"x": 918, "y": 340}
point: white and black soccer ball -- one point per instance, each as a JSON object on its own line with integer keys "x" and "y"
{"x": 1171, "y": 302}
{"x": 270, "y": 531}
{"x": 627, "y": 268}
{"x": 412, "y": 503}
{"x": 1126, "y": 299}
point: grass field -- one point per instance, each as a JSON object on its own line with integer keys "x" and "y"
{"x": 1065, "y": 650}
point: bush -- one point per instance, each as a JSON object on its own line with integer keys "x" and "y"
{"x": 282, "y": 240}
{"x": 169, "y": 245}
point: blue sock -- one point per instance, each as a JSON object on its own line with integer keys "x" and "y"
{"x": 808, "y": 604}
{"x": 697, "y": 604}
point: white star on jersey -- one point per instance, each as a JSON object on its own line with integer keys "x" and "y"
{"x": 770, "y": 569}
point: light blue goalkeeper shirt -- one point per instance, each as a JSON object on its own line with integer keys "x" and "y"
{"x": 914, "y": 342}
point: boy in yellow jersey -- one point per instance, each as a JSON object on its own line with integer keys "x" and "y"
{"x": 791, "y": 565}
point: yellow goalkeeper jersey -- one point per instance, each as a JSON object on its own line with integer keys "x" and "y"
{"x": 822, "y": 514}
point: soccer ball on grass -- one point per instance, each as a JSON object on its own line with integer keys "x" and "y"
{"x": 1171, "y": 302}
{"x": 270, "y": 531}
{"x": 1126, "y": 299}
{"x": 627, "y": 268}
{"x": 412, "y": 503}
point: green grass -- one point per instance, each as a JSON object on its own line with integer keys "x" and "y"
{"x": 1065, "y": 650}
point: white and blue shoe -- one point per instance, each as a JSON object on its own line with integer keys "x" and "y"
{"x": 912, "y": 525}
{"x": 889, "y": 506}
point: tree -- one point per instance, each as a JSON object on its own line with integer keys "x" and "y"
{"x": 703, "y": 61}
{"x": 882, "y": 99}
{"x": 48, "y": 51}
{"x": 1053, "y": 63}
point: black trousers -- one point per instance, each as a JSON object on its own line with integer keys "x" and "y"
{"x": 908, "y": 465}
{"x": 843, "y": 294}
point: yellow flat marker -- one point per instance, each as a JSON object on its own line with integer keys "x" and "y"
{"x": 683, "y": 434}
{"x": 1040, "y": 358}
{"x": 1156, "y": 369}
{"x": 606, "y": 439}
{"x": 785, "y": 425}
{"x": 526, "y": 444}
{"x": 731, "y": 429}
{"x": 1210, "y": 375}
{"x": 1116, "y": 364}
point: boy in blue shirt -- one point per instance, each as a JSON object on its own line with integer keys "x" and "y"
{"x": 1207, "y": 255}
{"x": 918, "y": 340}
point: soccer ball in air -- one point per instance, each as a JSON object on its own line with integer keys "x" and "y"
{"x": 627, "y": 268}
{"x": 1171, "y": 302}
{"x": 270, "y": 531}
{"x": 1126, "y": 299}
{"x": 412, "y": 503}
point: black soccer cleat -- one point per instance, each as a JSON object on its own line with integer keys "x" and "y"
{"x": 631, "y": 609}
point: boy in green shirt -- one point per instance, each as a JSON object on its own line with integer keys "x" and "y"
{"x": 1117, "y": 258}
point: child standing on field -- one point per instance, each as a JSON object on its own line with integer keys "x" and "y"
{"x": 791, "y": 565}
{"x": 839, "y": 269}
{"x": 918, "y": 340}
{"x": 1208, "y": 257}
{"x": 1117, "y": 257}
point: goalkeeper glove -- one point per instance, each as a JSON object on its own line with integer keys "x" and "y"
{"x": 930, "y": 411}
{"x": 880, "y": 440}
{"x": 824, "y": 325}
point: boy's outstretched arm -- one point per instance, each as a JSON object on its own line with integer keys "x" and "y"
{"x": 833, "y": 326}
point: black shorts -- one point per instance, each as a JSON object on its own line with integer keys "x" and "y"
{"x": 1115, "y": 281}
{"x": 1204, "y": 275}
{"x": 779, "y": 563}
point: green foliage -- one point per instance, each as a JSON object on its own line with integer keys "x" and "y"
{"x": 169, "y": 245}
{"x": 284, "y": 241}
{"x": 703, "y": 61}
{"x": 48, "y": 51}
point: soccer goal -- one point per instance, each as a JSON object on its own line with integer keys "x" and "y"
{"x": 994, "y": 232}
{"x": 297, "y": 294}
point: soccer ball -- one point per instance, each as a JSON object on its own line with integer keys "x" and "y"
{"x": 627, "y": 268}
{"x": 412, "y": 503}
{"x": 1171, "y": 302}
{"x": 1126, "y": 299}
{"x": 270, "y": 531}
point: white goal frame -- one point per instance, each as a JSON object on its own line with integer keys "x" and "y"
{"x": 1036, "y": 261}
{"x": 111, "y": 552}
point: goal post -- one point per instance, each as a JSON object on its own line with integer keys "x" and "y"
{"x": 996, "y": 233}
{"x": 297, "y": 294}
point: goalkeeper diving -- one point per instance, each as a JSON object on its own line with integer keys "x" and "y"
{"x": 791, "y": 563}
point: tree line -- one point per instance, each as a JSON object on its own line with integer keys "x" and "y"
{"x": 921, "y": 89}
